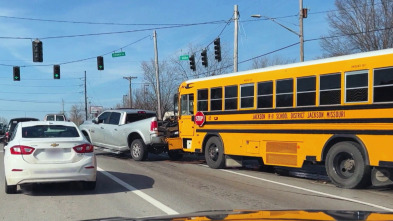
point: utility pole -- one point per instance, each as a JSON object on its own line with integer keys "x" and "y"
{"x": 85, "y": 97}
{"x": 62, "y": 104}
{"x": 301, "y": 16}
{"x": 157, "y": 76}
{"x": 130, "y": 94}
{"x": 235, "y": 43}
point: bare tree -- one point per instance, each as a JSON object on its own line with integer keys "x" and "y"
{"x": 358, "y": 26}
{"x": 270, "y": 61}
{"x": 3, "y": 120}
{"x": 169, "y": 83}
{"x": 77, "y": 114}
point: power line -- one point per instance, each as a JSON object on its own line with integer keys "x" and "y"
{"x": 79, "y": 60}
{"x": 97, "y": 23}
{"x": 35, "y": 93}
{"x": 39, "y": 102}
{"x": 39, "y": 86}
{"x": 113, "y": 32}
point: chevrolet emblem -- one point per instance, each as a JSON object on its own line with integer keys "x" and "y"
{"x": 54, "y": 145}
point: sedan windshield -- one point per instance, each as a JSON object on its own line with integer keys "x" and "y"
{"x": 43, "y": 131}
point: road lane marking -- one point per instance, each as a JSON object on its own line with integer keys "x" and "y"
{"x": 311, "y": 191}
{"x": 141, "y": 194}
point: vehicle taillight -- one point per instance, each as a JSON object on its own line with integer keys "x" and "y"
{"x": 7, "y": 134}
{"x": 84, "y": 148}
{"x": 21, "y": 150}
{"x": 153, "y": 125}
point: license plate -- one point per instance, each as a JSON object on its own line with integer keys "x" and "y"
{"x": 54, "y": 153}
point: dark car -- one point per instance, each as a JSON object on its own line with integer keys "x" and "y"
{"x": 2, "y": 131}
{"x": 11, "y": 126}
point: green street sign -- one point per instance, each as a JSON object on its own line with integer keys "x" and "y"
{"x": 118, "y": 54}
{"x": 184, "y": 57}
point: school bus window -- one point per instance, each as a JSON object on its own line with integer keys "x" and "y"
{"x": 202, "y": 100}
{"x": 247, "y": 96}
{"x": 305, "y": 95}
{"x": 284, "y": 93}
{"x": 383, "y": 85}
{"x": 216, "y": 99}
{"x": 356, "y": 86}
{"x": 265, "y": 94}
{"x": 187, "y": 104}
{"x": 231, "y": 97}
{"x": 330, "y": 89}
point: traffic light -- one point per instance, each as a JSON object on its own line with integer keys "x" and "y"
{"x": 100, "y": 63}
{"x": 16, "y": 73}
{"x": 37, "y": 51}
{"x": 204, "y": 58}
{"x": 56, "y": 71}
{"x": 217, "y": 49}
{"x": 192, "y": 62}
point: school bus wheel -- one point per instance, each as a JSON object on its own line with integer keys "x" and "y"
{"x": 346, "y": 166}
{"x": 214, "y": 153}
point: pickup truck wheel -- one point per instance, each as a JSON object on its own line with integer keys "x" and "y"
{"x": 175, "y": 155}
{"x": 138, "y": 150}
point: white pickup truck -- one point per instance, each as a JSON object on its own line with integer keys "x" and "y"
{"x": 123, "y": 130}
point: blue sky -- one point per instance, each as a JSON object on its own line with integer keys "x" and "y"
{"x": 38, "y": 93}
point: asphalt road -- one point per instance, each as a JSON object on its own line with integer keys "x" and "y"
{"x": 159, "y": 186}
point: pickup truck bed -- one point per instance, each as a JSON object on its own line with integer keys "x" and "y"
{"x": 126, "y": 130}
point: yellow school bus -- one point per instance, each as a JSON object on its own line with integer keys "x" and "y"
{"x": 337, "y": 111}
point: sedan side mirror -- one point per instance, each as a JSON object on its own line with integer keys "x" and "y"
{"x": 95, "y": 120}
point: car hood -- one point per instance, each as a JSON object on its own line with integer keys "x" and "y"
{"x": 270, "y": 215}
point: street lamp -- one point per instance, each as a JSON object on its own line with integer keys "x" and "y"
{"x": 303, "y": 14}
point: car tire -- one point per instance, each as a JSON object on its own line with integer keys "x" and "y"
{"x": 346, "y": 166}
{"x": 89, "y": 185}
{"x": 175, "y": 155}
{"x": 10, "y": 189}
{"x": 138, "y": 150}
{"x": 214, "y": 153}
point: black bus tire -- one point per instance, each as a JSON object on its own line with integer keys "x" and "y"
{"x": 214, "y": 153}
{"x": 346, "y": 166}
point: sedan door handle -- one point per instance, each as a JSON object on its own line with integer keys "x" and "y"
{"x": 115, "y": 129}
{"x": 102, "y": 128}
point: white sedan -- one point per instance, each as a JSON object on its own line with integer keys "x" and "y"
{"x": 48, "y": 152}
